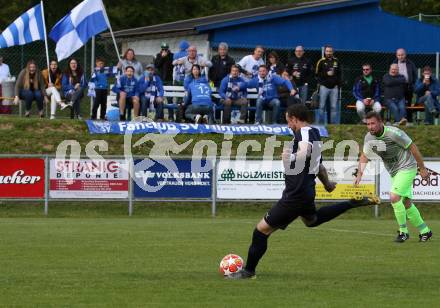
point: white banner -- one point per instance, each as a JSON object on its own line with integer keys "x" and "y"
{"x": 422, "y": 189}
{"x": 86, "y": 178}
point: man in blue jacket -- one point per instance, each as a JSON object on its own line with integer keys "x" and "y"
{"x": 427, "y": 89}
{"x": 230, "y": 98}
{"x": 126, "y": 89}
{"x": 366, "y": 90}
{"x": 267, "y": 93}
{"x": 150, "y": 88}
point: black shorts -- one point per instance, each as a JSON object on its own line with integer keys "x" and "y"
{"x": 285, "y": 211}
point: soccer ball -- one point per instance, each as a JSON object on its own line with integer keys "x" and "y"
{"x": 230, "y": 263}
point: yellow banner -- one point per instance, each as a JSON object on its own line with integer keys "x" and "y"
{"x": 344, "y": 191}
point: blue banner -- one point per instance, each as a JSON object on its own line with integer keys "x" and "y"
{"x": 121, "y": 128}
{"x": 172, "y": 178}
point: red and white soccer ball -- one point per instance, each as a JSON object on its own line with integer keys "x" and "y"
{"x": 230, "y": 263}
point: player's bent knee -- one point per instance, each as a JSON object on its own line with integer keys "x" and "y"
{"x": 394, "y": 198}
{"x": 310, "y": 222}
{"x": 264, "y": 227}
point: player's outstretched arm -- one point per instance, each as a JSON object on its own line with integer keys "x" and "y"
{"x": 419, "y": 158}
{"x": 363, "y": 161}
{"x": 323, "y": 177}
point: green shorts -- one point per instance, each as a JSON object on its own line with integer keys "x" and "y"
{"x": 402, "y": 183}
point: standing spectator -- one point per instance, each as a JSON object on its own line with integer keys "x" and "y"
{"x": 268, "y": 93}
{"x": 193, "y": 58}
{"x": 394, "y": 87}
{"x": 328, "y": 73}
{"x": 221, "y": 65}
{"x": 129, "y": 59}
{"x": 200, "y": 106}
{"x": 150, "y": 88}
{"x": 249, "y": 64}
{"x": 300, "y": 68}
{"x": 408, "y": 69}
{"x": 164, "y": 63}
{"x": 30, "y": 87}
{"x": 179, "y": 69}
{"x": 4, "y": 70}
{"x": 274, "y": 66}
{"x": 284, "y": 93}
{"x": 126, "y": 89}
{"x": 53, "y": 87}
{"x": 73, "y": 85}
{"x": 230, "y": 98}
{"x": 100, "y": 79}
{"x": 366, "y": 90}
{"x": 427, "y": 89}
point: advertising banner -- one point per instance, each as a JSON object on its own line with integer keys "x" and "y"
{"x": 21, "y": 178}
{"x": 428, "y": 190}
{"x": 178, "y": 178}
{"x": 86, "y": 178}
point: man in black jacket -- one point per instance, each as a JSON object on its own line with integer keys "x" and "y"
{"x": 300, "y": 68}
{"x": 221, "y": 65}
{"x": 164, "y": 63}
{"x": 394, "y": 86}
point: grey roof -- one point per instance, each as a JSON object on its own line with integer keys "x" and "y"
{"x": 189, "y": 25}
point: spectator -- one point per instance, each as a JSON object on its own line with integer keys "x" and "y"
{"x": 100, "y": 79}
{"x": 30, "y": 87}
{"x": 275, "y": 67}
{"x": 4, "y": 70}
{"x": 427, "y": 89}
{"x": 221, "y": 65}
{"x": 73, "y": 84}
{"x": 267, "y": 92}
{"x": 193, "y": 58}
{"x": 249, "y": 64}
{"x": 230, "y": 98}
{"x": 129, "y": 59}
{"x": 408, "y": 69}
{"x": 164, "y": 63}
{"x": 328, "y": 73}
{"x": 53, "y": 87}
{"x": 300, "y": 68}
{"x": 126, "y": 89}
{"x": 394, "y": 87}
{"x": 150, "y": 88}
{"x": 199, "y": 97}
{"x": 366, "y": 90}
{"x": 179, "y": 69}
{"x": 284, "y": 93}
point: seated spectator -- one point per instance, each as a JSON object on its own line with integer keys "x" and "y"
{"x": 5, "y": 107}
{"x": 284, "y": 93}
{"x": 300, "y": 68}
{"x": 275, "y": 67}
{"x": 268, "y": 93}
{"x": 100, "y": 80}
{"x": 366, "y": 90}
{"x": 73, "y": 84}
{"x": 193, "y": 58}
{"x": 127, "y": 91}
{"x": 150, "y": 88}
{"x": 52, "y": 79}
{"x": 129, "y": 59}
{"x": 179, "y": 69}
{"x": 221, "y": 65}
{"x": 230, "y": 98}
{"x": 427, "y": 89}
{"x": 164, "y": 63}
{"x": 30, "y": 87}
{"x": 394, "y": 86}
{"x": 198, "y": 100}
{"x": 249, "y": 64}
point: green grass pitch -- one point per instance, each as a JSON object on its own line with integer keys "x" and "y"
{"x": 173, "y": 262}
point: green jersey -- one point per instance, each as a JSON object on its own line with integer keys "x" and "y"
{"x": 396, "y": 155}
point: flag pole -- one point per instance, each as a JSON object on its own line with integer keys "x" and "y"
{"x": 45, "y": 40}
{"x": 110, "y": 28}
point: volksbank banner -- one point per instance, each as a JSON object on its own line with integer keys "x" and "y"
{"x": 121, "y": 128}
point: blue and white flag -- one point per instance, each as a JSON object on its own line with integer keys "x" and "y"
{"x": 73, "y": 31}
{"x": 27, "y": 28}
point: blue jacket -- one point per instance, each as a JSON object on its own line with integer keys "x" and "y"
{"x": 153, "y": 86}
{"x": 69, "y": 86}
{"x": 199, "y": 92}
{"x": 237, "y": 81}
{"x": 183, "y": 50}
{"x": 100, "y": 76}
{"x": 421, "y": 88}
{"x": 268, "y": 89}
{"x": 127, "y": 85}
{"x": 362, "y": 90}
{"x": 189, "y": 79}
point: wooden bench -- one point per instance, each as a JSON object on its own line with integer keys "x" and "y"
{"x": 417, "y": 108}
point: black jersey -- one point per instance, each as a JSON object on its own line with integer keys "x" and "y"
{"x": 300, "y": 185}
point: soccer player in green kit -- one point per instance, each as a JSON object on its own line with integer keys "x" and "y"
{"x": 401, "y": 158}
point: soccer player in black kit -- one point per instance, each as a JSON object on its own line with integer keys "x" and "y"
{"x": 302, "y": 164}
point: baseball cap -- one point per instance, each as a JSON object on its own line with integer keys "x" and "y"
{"x": 150, "y": 66}
{"x": 164, "y": 45}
